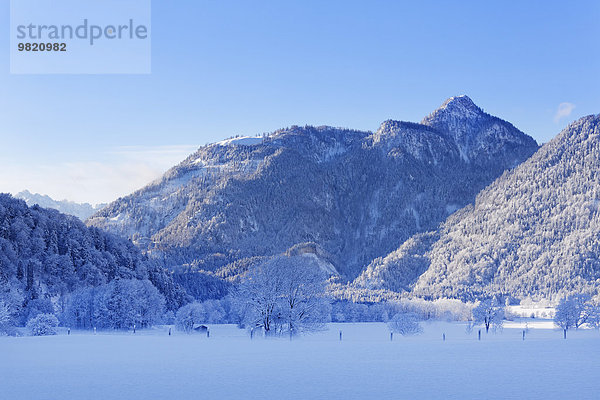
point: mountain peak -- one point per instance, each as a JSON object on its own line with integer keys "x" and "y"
{"x": 461, "y": 105}
{"x": 462, "y": 101}
{"x": 480, "y": 137}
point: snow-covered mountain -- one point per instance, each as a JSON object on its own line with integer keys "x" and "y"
{"x": 355, "y": 194}
{"x": 478, "y": 136}
{"x": 534, "y": 231}
{"x": 80, "y": 210}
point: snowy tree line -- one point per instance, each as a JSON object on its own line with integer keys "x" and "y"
{"x": 120, "y": 304}
{"x": 46, "y": 256}
{"x": 51, "y": 264}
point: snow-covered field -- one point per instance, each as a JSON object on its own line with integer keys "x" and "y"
{"x": 364, "y": 365}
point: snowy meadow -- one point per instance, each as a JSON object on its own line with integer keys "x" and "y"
{"x": 364, "y": 364}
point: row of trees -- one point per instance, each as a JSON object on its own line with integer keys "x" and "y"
{"x": 572, "y": 312}
{"x": 282, "y": 295}
{"x": 120, "y": 304}
{"x": 48, "y": 258}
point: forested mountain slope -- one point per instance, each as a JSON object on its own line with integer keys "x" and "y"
{"x": 47, "y": 255}
{"x": 356, "y": 194}
{"x": 534, "y": 231}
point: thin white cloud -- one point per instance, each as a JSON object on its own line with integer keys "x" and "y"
{"x": 563, "y": 110}
{"x": 111, "y": 175}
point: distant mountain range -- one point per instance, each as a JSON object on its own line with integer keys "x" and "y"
{"x": 80, "y": 210}
{"x": 356, "y": 195}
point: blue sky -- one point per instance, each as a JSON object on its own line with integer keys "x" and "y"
{"x": 225, "y": 68}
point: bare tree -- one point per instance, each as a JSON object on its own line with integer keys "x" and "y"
{"x": 489, "y": 312}
{"x": 405, "y": 324}
{"x": 258, "y": 296}
{"x": 583, "y": 308}
{"x": 572, "y": 312}
{"x": 304, "y": 306}
{"x": 594, "y": 316}
{"x": 284, "y": 294}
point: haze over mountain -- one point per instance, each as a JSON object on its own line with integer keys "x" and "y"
{"x": 534, "y": 231}
{"x": 81, "y": 210}
{"x": 355, "y": 194}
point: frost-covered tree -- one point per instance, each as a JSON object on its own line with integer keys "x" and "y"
{"x": 80, "y": 309}
{"x": 304, "y": 306}
{"x": 42, "y": 325}
{"x": 207, "y": 312}
{"x": 594, "y": 316}
{"x": 5, "y": 318}
{"x": 48, "y": 255}
{"x": 284, "y": 294}
{"x": 188, "y": 316}
{"x": 405, "y": 324}
{"x": 582, "y": 306}
{"x": 12, "y": 298}
{"x": 257, "y": 298}
{"x": 35, "y": 307}
{"x": 4, "y": 313}
{"x": 215, "y": 312}
{"x": 572, "y": 312}
{"x": 120, "y": 304}
{"x": 489, "y": 312}
{"x": 125, "y": 303}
